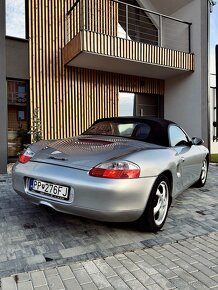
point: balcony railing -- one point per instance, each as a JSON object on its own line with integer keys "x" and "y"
{"x": 134, "y": 23}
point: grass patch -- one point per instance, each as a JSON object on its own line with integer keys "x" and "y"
{"x": 214, "y": 158}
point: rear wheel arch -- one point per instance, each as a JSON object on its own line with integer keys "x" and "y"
{"x": 204, "y": 171}
{"x": 208, "y": 159}
{"x": 169, "y": 176}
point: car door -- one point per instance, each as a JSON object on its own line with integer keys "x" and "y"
{"x": 190, "y": 155}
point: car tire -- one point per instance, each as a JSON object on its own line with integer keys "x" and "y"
{"x": 203, "y": 177}
{"x": 155, "y": 213}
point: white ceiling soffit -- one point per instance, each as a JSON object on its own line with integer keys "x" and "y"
{"x": 167, "y": 7}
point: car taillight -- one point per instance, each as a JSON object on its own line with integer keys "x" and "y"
{"x": 116, "y": 169}
{"x": 26, "y": 156}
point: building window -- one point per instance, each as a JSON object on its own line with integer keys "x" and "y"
{"x": 15, "y": 18}
{"x": 17, "y": 92}
{"x": 18, "y": 116}
{"x": 126, "y": 104}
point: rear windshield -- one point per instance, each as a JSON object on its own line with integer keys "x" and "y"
{"x": 135, "y": 130}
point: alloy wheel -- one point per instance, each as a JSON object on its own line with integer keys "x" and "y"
{"x": 204, "y": 172}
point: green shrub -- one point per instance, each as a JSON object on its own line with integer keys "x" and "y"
{"x": 214, "y": 158}
{"x": 36, "y": 127}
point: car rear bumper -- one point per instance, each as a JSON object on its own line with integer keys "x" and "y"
{"x": 115, "y": 200}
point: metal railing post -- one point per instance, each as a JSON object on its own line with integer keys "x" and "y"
{"x": 66, "y": 30}
{"x": 189, "y": 38}
{"x": 81, "y": 12}
{"x": 160, "y": 31}
{"x": 127, "y": 23}
{"x": 86, "y": 14}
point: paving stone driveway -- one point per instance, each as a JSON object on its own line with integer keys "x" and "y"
{"x": 189, "y": 264}
{"x": 33, "y": 237}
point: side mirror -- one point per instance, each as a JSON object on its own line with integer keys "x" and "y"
{"x": 197, "y": 141}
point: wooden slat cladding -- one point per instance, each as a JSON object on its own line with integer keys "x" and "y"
{"x": 102, "y": 16}
{"x": 72, "y": 49}
{"x": 134, "y": 84}
{"x": 98, "y": 15}
{"x": 69, "y": 99}
{"x": 141, "y": 52}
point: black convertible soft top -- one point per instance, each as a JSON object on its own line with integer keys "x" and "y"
{"x": 159, "y": 127}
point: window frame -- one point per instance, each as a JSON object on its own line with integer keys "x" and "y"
{"x": 182, "y": 130}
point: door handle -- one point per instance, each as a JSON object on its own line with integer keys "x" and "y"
{"x": 183, "y": 159}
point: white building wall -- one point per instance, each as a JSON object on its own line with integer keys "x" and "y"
{"x": 175, "y": 35}
{"x": 186, "y": 96}
{"x": 186, "y": 100}
{"x": 17, "y": 58}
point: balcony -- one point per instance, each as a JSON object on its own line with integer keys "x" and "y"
{"x": 122, "y": 38}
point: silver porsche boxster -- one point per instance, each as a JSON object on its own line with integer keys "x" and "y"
{"x": 121, "y": 169}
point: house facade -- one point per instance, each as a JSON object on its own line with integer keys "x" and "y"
{"x": 81, "y": 56}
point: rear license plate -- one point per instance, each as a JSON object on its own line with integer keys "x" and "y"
{"x": 50, "y": 189}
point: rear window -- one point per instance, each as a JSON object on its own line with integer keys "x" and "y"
{"x": 135, "y": 130}
{"x": 125, "y": 130}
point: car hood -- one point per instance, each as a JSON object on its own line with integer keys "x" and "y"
{"x": 86, "y": 151}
